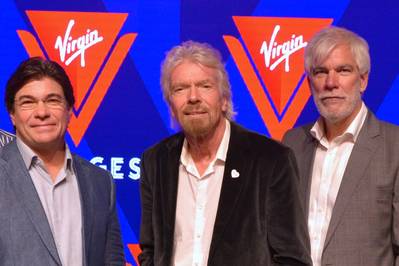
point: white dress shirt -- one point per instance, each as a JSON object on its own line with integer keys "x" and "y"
{"x": 329, "y": 166}
{"x": 196, "y": 207}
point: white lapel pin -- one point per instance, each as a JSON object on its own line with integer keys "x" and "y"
{"x": 235, "y": 173}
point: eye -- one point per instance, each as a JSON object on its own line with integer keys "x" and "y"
{"x": 319, "y": 71}
{"x": 206, "y": 86}
{"x": 24, "y": 102}
{"x": 54, "y": 101}
{"x": 27, "y": 103}
{"x": 345, "y": 70}
{"x": 179, "y": 89}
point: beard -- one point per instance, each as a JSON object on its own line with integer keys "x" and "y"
{"x": 201, "y": 125}
{"x": 336, "y": 115}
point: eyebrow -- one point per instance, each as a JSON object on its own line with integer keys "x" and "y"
{"x": 339, "y": 66}
{"x": 336, "y": 68}
{"x": 185, "y": 84}
{"x": 180, "y": 84}
{"x": 204, "y": 82}
{"x": 347, "y": 65}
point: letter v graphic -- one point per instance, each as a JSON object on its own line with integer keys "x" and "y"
{"x": 92, "y": 80}
{"x": 278, "y": 94}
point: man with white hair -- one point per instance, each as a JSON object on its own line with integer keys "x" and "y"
{"x": 348, "y": 159}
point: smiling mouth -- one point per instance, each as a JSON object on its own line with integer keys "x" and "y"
{"x": 41, "y": 126}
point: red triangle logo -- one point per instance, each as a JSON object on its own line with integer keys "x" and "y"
{"x": 79, "y": 41}
{"x": 84, "y": 43}
{"x": 276, "y": 50}
{"x": 276, "y": 46}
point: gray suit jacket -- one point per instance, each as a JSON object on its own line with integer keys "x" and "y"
{"x": 25, "y": 234}
{"x": 364, "y": 227}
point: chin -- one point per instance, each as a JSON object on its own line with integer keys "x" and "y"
{"x": 46, "y": 140}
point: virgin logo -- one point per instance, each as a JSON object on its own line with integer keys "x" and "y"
{"x": 280, "y": 52}
{"x": 75, "y": 47}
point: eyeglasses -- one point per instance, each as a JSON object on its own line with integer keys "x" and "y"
{"x": 30, "y": 103}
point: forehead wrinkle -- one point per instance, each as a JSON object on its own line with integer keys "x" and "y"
{"x": 46, "y": 96}
{"x": 201, "y": 82}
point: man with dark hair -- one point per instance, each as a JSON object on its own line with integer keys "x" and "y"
{"x": 216, "y": 193}
{"x": 55, "y": 207}
{"x": 348, "y": 159}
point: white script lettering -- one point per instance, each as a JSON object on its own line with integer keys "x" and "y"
{"x": 75, "y": 47}
{"x": 281, "y": 52}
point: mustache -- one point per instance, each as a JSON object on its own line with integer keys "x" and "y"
{"x": 195, "y": 109}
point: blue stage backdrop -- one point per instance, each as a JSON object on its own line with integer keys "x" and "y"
{"x": 113, "y": 49}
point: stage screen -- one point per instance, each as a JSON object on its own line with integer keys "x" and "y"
{"x": 113, "y": 49}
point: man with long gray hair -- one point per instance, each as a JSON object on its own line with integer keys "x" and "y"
{"x": 216, "y": 193}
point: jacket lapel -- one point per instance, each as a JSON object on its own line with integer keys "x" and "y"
{"x": 86, "y": 201}
{"x": 363, "y": 150}
{"x": 30, "y": 201}
{"x": 231, "y": 187}
{"x": 170, "y": 161}
{"x": 305, "y": 163}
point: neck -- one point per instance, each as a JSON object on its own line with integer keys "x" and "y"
{"x": 53, "y": 159}
{"x": 334, "y": 130}
{"x": 203, "y": 149}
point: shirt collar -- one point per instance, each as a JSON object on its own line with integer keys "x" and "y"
{"x": 30, "y": 158}
{"x": 221, "y": 153}
{"x": 353, "y": 130}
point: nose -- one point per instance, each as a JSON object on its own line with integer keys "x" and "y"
{"x": 193, "y": 94}
{"x": 331, "y": 80}
{"x": 41, "y": 110}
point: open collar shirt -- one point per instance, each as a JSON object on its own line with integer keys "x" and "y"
{"x": 329, "y": 166}
{"x": 196, "y": 207}
{"x": 61, "y": 203}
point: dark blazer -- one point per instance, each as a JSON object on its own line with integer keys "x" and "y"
{"x": 364, "y": 226}
{"x": 25, "y": 234}
{"x": 259, "y": 220}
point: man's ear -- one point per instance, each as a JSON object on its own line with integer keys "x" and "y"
{"x": 364, "y": 79}
{"x": 308, "y": 80}
{"x": 69, "y": 114}
{"x": 172, "y": 113}
{"x": 224, "y": 105}
{"x": 12, "y": 118}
